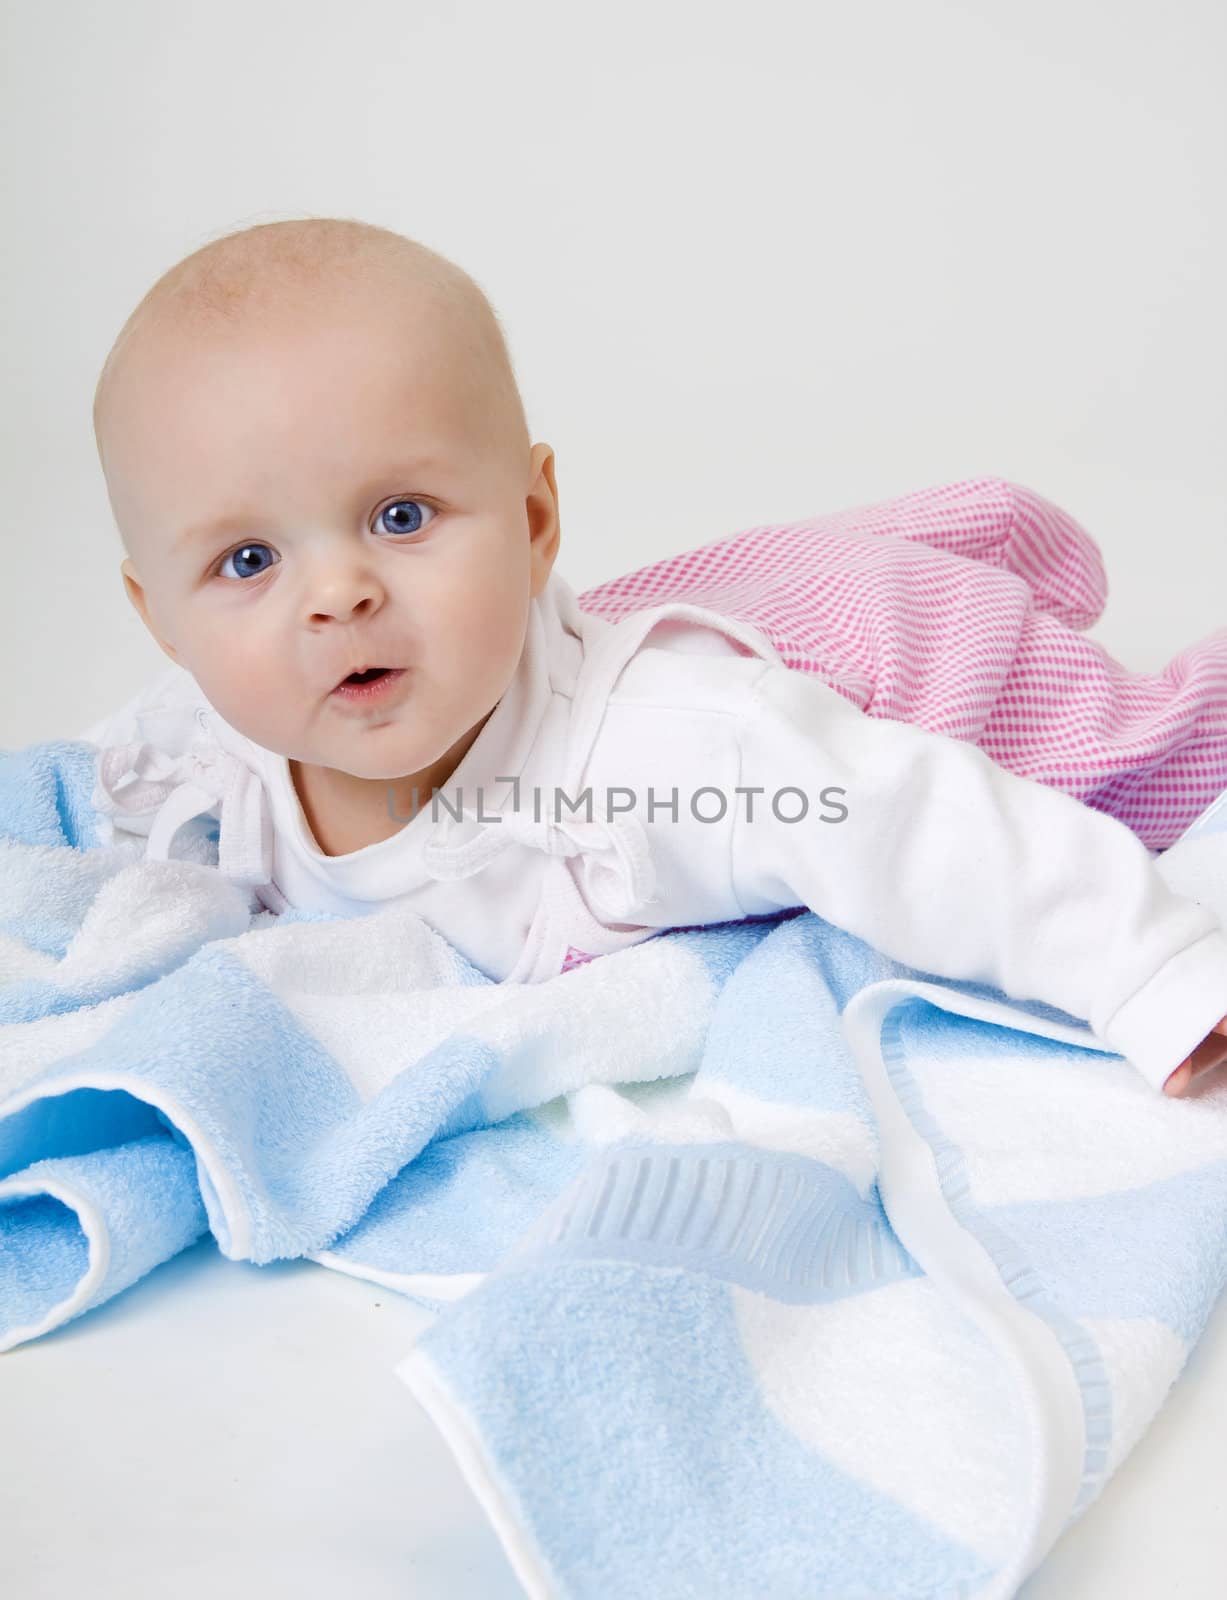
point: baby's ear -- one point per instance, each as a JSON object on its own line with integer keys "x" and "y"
{"x": 135, "y": 591}
{"x": 544, "y": 523}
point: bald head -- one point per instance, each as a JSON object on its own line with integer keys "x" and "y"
{"x": 279, "y": 271}
{"x": 318, "y": 460}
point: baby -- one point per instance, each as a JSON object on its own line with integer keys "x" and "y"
{"x": 337, "y": 527}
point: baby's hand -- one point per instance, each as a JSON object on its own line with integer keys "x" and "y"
{"x": 1209, "y": 1053}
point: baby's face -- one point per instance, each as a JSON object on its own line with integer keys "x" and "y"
{"x": 306, "y": 498}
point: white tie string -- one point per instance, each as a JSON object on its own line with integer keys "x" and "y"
{"x": 616, "y": 862}
{"x": 136, "y": 779}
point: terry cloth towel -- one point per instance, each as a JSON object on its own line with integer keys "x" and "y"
{"x": 763, "y": 1265}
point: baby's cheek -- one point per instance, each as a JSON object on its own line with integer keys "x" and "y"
{"x": 493, "y": 627}
{"x": 263, "y": 698}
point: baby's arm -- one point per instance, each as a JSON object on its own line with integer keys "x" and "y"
{"x": 1210, "y": 1053}
{"x": 951, "y": 864}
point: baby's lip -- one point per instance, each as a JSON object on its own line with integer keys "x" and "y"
{"x": 366, "y": 668}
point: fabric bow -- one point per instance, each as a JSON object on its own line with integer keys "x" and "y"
{"x": 136, "y": 779}
{"x": 616, "y": 864}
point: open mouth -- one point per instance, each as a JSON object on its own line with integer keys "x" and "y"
{"x": 367, "y": 684}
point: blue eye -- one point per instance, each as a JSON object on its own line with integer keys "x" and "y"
{"x": 241, "y": 555}
{"x": 394, "y": 518}
{"x": 400, "y": 523}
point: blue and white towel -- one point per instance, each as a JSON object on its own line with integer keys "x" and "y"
{"x": 764, "y": 1266}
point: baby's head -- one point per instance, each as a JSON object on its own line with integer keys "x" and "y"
{"x": 318, "y": 461}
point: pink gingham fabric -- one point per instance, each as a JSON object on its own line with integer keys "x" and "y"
{"x": 958, "y": 608}
{"x": 574, "y": 958}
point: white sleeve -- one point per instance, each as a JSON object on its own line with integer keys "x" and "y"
{"x": 949, "y": 863}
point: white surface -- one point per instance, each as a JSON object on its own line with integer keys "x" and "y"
{"x": 236, "y": 1430}
{"x": 228, "y": 1429}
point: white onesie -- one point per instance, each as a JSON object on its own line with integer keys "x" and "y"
{"x": 672, "y": 772}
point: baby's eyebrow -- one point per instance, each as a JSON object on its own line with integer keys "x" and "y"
{"x": 215, "y": 528}
{"x": 233, "y": 522}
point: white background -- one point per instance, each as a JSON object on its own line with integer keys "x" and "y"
{"x": 755, "y": 262}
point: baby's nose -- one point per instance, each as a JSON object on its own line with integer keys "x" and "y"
{"x": 340, "y": 589}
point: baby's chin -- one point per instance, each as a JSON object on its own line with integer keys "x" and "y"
{"x": 397, "y": 762}
{"x": 397, "y": 772}
{"x": 389, "y": 771}
{"x": 395, "y": 750}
